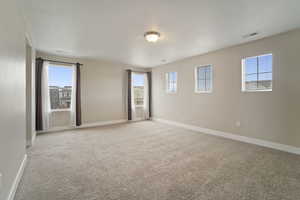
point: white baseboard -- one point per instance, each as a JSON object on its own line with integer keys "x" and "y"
{"x": 17, "y": 179}
{"x": 56, "y": 129}
{"x": 87, "y": 125}
{"x": 33, "y": 138}
{"x": 264, "y": 143}
{"x": 30, "y": 143}
{"x": 104, "y": 123}
{"x": 137, "y": 120}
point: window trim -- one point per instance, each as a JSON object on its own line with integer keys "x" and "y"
{"x": 60, "y": 64}
{"x": 167, "y": 83}
{"x": 243, "y": 87}
{"x": 196, "y": 80}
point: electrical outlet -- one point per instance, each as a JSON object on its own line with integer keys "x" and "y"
{"x": 238, "y": 123}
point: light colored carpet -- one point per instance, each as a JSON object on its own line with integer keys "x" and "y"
{"x": 149, "y": 160}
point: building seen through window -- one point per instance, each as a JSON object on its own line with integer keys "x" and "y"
{"x": 60, "y": 87}
{"x": 138, "y": 88}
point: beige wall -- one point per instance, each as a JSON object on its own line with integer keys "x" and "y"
{"x": 103, "y": 91}
{"x": 12, "y": 89}
{"x": 272, "y": 116}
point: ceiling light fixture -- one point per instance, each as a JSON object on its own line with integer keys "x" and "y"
{"x": 152, "y": 36}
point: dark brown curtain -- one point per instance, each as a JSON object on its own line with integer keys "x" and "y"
{"x": 150, "y": 92}
{"x": 78, "y": 96}
{"x": 129, "y": 95}
{"x": 38, "y": 95}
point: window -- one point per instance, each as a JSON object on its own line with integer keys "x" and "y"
{"x": 138, "y": 88}
{"x": 171, "y": 82}
{"x": 203, "y": 79}
{"x": 60, "y": 86}
{"x": 257, "y": 73}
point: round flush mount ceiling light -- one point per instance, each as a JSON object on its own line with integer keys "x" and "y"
{"x": 152, "y": 36}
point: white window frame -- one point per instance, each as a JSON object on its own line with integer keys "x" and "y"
{"x": 167, "y": 83}
{"x": 196, "y": 79}
{"x": 243, "y": 88}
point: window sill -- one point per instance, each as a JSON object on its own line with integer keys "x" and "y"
{"x": 203, "y": 92}
{"x": 60, "y": 110}
{"x": 139, "y": 106}
{"x": 257, "y": 90}
{"x": 168, "y": 92}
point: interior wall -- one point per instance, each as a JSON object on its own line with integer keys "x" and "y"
{"x": 30, "y": 94}
{"x": 12, "y": 88}
{"x": 33, "y": 132}
{"x": 103, "y": 91}
{"x": 272, "y": 116}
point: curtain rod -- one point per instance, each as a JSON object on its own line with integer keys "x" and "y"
{"x": 140, "y": 72}
{"x": 56, "y": 61}
{"x": 136, "y": 71}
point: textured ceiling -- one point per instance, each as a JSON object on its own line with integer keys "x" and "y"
{"x": 113, "y": 29}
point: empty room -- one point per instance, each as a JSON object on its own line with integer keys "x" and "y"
{"x": 150, "y": 100}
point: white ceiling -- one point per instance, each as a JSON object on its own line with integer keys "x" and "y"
{"x": 113, "y": 29}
